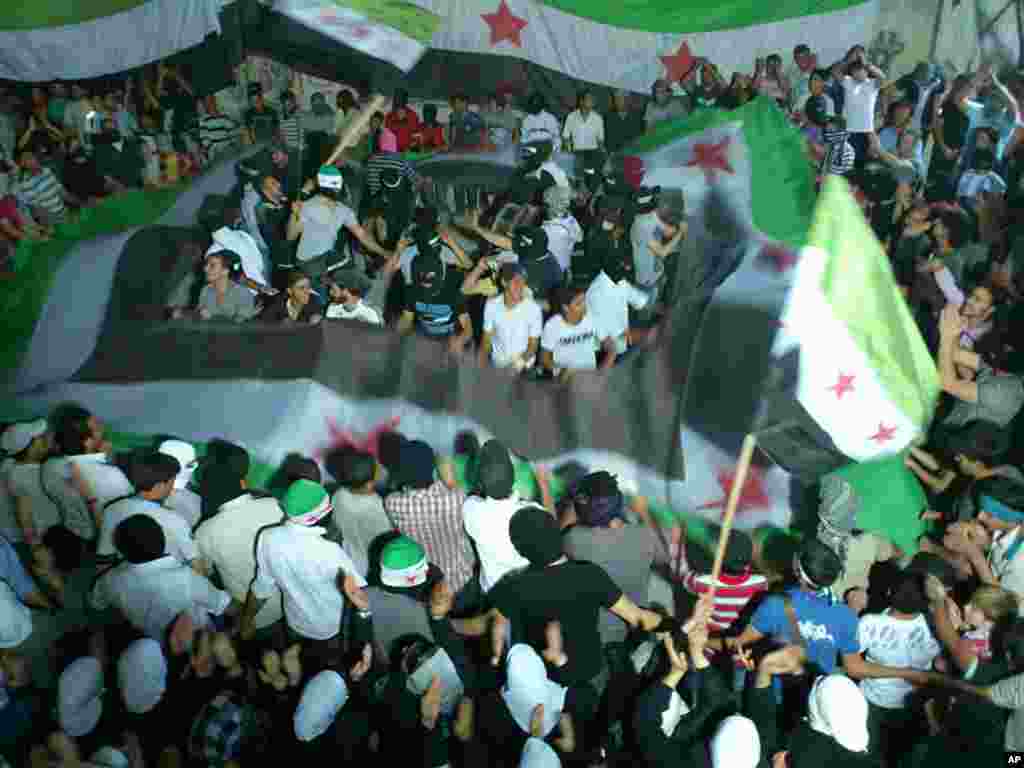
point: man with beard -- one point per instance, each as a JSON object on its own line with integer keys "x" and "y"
{"x": 118, "y": 159}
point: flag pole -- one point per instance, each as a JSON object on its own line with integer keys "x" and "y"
{"x": 746, "y": 456}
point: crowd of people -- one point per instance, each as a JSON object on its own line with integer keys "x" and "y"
{"x": 374, "y": 608}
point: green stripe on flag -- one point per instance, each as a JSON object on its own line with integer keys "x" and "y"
{"x": 411, "y": 20}
{"x": 781, "y": 184}
{"x": 671, "y": 16}
{"x": 19, "y": 15}
{"x": 859, "y": 286}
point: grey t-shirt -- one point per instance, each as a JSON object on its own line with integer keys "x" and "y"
{"x": 626, "y": 555}
{"x": 321, "y": 224}
{"x": 1000, "y": 397}
{"x": 649, "y": 268}
{"x": 395, "y": 615}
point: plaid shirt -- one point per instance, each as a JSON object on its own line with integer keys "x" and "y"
{"x": 433, "y": 518}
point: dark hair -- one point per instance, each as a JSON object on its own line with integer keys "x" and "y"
{"x": 930, "y": 564}
{"x": 147, "y": 469}
{"x": 955, "y": 225}
{"x": 351, "y": 468}
{"x": 139, "y": 539}
{"x": 298, "y": 467}
{"x": 71, "y": 428}
{"x": 978, "y": 440}
{"x": 566, "y": 292}
{"x": 739, "y": 552}
{"x": 495, "y": 471}
{"x": 821, "y": 565}
{"x": 228, "y": 457}
{"x": 908, "y": 595}
{"x": 582, "y": 95}
{"x": 803, "y": 48}
{"x": 389, "y": 450}
{"x": 1008, "y": 639}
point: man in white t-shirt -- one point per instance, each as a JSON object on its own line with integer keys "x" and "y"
{"x": 572, "y": 339}
{"x": 584, "y": 128}
{"x": 512, "y": 323}
{"x": 899, "y": 637}
{"x": 183, "y": 500}
{"x": 610, "y": 300}
{"x": 860, "y": 94}
{"x": 487, "y": 512}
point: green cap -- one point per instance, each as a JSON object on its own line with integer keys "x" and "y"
{"x": 304, "y": 497}
{"x": 403, "y": 563}
{"x": 329, "y": 177}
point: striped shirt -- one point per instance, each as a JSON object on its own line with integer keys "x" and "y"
{"x": 839, "y": 154}
{"x": 217, "y": 134}
{"x": 291, "y": 131}
{"x": 433, "y": 518}
{"x": 381, "y": 162}
{"x": 731, "y": 595}
{"x": 43, "y": 191}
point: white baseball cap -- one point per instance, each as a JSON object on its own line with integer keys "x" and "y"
{"x": 186, "y": 456}
{"x": 18, "y": 437}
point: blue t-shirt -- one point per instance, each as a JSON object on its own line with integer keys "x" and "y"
{"x": 828, "y": 628}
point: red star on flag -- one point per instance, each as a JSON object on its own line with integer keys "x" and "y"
{"x": 712, "y": 158}
{"x": 345, "y": 438}
{"x": 844, "y": 385}
{"x": 752, "y": 496}
{"x": 679, "y": 64}
{"x": 505, "y": 25}
{"x": 884, "y": 434}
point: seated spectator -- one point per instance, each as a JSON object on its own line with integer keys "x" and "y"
{"x": 663, "y": 105}
{"x": 151, "y": 588}
{"x": 351, "y": 295}
{"x": 512, "y": 323}
{"x": 622, "y": 123}
{"x": 40, "y": 189}
{"x": 984, "y": 394}
{"x": 261, "y": 122}
{"x": 539, "y": 124}
{"x": 296, "y": 305}
{"x": 584, "y": 128}
{"x": 707, "y": 87}
{"x": 980, "y": 182}
{"x": 218, "y": 133}
{"x": 118, "y": 159}
{"x": 573, "y": 339}
{"x": 770, "y": 81}
{"x": 402, "y": 121}
{"x": 222, "y": 298}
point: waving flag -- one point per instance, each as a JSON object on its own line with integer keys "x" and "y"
{"x": 865, "y": 374}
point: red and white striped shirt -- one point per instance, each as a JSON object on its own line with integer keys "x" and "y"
{"x": 732, "y": 593}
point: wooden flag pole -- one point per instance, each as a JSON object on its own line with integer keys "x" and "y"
{"x": 746, "y": 456}
{"x": 351, "y": 134}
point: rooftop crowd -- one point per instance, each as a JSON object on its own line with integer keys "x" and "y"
{"x": 373, "y": 607}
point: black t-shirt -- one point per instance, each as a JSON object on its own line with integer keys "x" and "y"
{"x": 437, "y": 315}
{"x": 263, "y": 124}
{"x": 543, "y": 276}
{"x": 573, "y": 594}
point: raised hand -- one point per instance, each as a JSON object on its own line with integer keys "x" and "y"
{"x": 362, "y": 666}
{"x": 430, "y": 704}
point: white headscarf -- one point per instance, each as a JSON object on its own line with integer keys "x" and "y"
{"x": 80, "y": 696}
{"x": 736, "y": 744}
{"x": 837, "y": 708}
{"x": 538, "y": 754}
{"x": 322, "y": 699}
{"x": 142, "y": 675}
{"x": 15, "y": 618}
{"x": 528, "y": 686}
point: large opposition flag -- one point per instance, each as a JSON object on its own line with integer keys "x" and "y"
{"x": 864, "y": 372}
